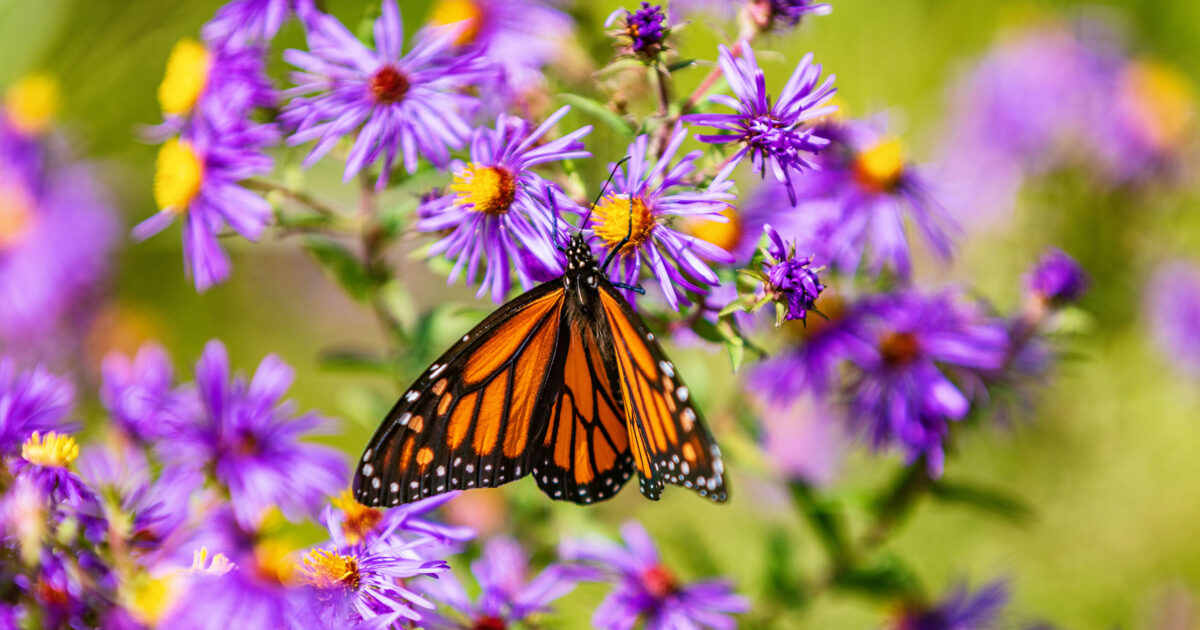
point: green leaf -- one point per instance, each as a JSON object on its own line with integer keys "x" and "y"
{"x": 680, "y": 65}
{"x": 599, "y": 110}
{"x": 888, "y": 577}
{"x": 707, "y": 331}
{"x": 992, "y": 500}
{"x": 341, "y": 265}
{"x": 825, "y": 519}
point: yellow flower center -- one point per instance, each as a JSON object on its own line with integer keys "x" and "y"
{"x": 32, "y": 102}
{"x": 448, "y": 12}
{"x": 328, "y": 570}
{"x": 201, "y": 565}
{"x": 610, "y": 221}
{"x": 723, "y": 235}
{"x": 879, "y": 168}
{"x": 16, "y": 216}
{"x": 149, "y": 598}
{"x": 359, "y": 519}
{"x": 487, "y": 189}
{"x": 273, "y": 562}
{"x": 179, "y": 175}
{"x": 55, "y": 450}
{"x": 1160, "y": 100}
{"x": 186, "y": 76}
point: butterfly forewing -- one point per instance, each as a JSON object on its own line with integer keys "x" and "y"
{"x": 585, "y": 454}
{"x": 474, "y": 418}
{"x": 669, "y": 439}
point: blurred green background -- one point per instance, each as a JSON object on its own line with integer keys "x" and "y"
{"x": 1109, "y": 462}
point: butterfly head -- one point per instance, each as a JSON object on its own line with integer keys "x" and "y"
{"x": 579, "y": 254}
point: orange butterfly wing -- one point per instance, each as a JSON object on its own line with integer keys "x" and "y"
{"x": 670, "y": 442}
{"x": 585, "y": 453}
{"x": 475, "y": 417}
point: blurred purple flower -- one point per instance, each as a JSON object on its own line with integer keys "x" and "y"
{"x": 507, "y": 596}
{"x": 198, "y": 177}
{"x": 30, "y": 400}
{"x": 905, "y": 350}
{"x": 801, "y": 437}
{"x": 495, "y": 207}
{"x": 872, "y": 189}
{"x": 45, "y": 460}
{"x": 645, "y": 28}
{"x": 253, "y": 21}
{"x": 960, "y": 610}
{"x": 156, "y": 509}
{"x": 810, "y": 364}
{"x": 647, "y": 591}
{"x": 140, "y": 395}
{"x": 791, "y": 281}
{"x": 407, "y": 105}
{"x": 218, "y": 83}
{"x": 516, "y": 38}
{"x": 57, "y": 233}
{"x": 257, "y": 590}
{"x": 773, "y": 133}
{"x": 250, "y": 441}
{"x": 1057, "y": 279}
{"x": 646, "y": 184}
{"x": 784, "y": 14}
{"x": 1173, "y": 307}
{"x": 369, "y": 580}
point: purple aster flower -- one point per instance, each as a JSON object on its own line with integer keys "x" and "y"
{"x": 644, "y": 186}
{"x": 507, "y": 596}
{"x": 407, "y": 105}
{"x": 495, "y": 207}
{"x": 906, "y": 349}
{"x": 221, "y": 84}
{"x": 357, "y": 523}
{"x": 1057, "y": 279}
{"x": 773, "y": 133}
{"x": 198, "y": 177}
{"x": 647, "y": 591}
{"x": 873, "y": 189}
{"x": 366, "y": 581}
{"x": 784, "y": 14}
{"x": 1153, "y": 121}
{"x": 645, "y": 29}
{"x": 57, "y": 232}
{"x": 791, "y": 282}
{"x": 30, "y": 401}
{"x": 140, "y": 395}
{"x": 250, "y": 21}
{"x": 45, "y": 460}
{"x": 959, "y": 610}
{"x": 516, "y": 38}
{"x": 1173, "y": 306}
{"x": 251, "y": 442}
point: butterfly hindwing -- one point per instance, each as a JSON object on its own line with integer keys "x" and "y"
{"x": 585, "y": 454}
{"x": 668, "y": 437}
{"x": 474, "y": 418}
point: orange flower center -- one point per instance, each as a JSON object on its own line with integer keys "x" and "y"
{"x": 611, "y": 221}
{"x": 389, "y": 85}
{"x": 659, "y": 581}
{"x": 898, "y": 348}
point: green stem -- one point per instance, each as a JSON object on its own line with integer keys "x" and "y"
{"x": 374, "y": 243}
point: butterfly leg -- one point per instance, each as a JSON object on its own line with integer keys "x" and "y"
{"x": 628, "y": 233}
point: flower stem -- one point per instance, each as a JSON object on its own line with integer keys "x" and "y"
{"x": 374, "y": 242}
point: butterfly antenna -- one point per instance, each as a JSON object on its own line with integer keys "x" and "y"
{"x": 612, "y": 253}
{"x": 604, "y": 188}
{"x": 554, "y": 210}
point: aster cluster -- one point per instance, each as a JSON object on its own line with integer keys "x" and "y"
{"x": 57, "y": 228}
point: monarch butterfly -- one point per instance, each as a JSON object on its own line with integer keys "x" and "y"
{"x": 564, "y": 383}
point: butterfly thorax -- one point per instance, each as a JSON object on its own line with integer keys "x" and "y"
{"x": 583, "y": 276}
